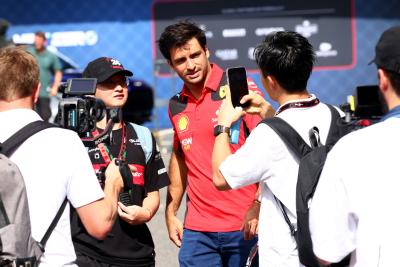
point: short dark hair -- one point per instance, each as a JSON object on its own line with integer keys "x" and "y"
{"x": 41, "y": 35}
{"x": 289, "y": 57}
{"x": 178, "y": 34}
{"x": 394, "y": 79}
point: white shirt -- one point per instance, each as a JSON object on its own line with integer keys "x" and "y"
{"x": 356, "y": 202}
{"x": 265, "y": 158}
{"x": 54, "y": 164}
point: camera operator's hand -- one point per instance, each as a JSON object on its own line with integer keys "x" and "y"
{"x": 113, "y": 175}
{"x": 258, "y": 105}
{"x": 134, "y": 214}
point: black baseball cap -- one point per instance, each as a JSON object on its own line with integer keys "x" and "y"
{"x": 103, "y": 68}
{"x": 387, "y": 50}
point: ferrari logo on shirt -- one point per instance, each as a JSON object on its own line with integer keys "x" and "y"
{"x": 183, "y": 123}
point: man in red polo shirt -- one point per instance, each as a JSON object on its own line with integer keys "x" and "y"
{"x": 211, "y": 235}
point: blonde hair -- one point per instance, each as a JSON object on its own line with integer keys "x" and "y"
{"x": 19, "y": 73}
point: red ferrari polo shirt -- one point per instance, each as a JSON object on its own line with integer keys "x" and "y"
{"x": 193, "y": 120}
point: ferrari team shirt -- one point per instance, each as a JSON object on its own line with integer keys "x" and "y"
{"x": 193, "y": 120}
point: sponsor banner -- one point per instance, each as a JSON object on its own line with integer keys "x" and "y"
{"x": 234, "y": 28}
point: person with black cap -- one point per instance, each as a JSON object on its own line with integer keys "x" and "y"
{"x": 130, "y": 242}
{"x": 354, "y": 205}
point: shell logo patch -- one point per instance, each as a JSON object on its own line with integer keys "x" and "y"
{"x": 183, "y": 123}
{"x": 222, "y": 91}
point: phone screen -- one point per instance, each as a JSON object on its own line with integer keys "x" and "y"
{"x": 237, "y": 81}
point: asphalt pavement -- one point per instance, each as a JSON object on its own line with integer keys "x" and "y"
{"x": 166, "y": 251}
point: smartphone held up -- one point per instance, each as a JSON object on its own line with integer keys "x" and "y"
{"x": 237, "y": 81}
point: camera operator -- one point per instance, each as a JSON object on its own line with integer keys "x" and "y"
{"x": 130, "y": 242}
{"x": 54, "y": 165}
{"x": 354, "y": 205}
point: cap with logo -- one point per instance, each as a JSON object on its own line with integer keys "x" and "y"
{"x": 387, "y": 50}
{"x": 103, "y": 68}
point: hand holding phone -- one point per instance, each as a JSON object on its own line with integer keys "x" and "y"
{"x": 237, "y": 81}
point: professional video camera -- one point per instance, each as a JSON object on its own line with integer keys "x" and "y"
{"x": 79, "y": 110}
{"x": 365, "y": 107}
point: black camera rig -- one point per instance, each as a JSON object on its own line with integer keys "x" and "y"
{"x": 79, "y": 111}
{"x": 365, "y": 107}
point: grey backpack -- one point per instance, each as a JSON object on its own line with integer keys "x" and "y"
{"x": 17, "y": 247}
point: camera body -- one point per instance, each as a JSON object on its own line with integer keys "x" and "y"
{"x": 78, "y": 109}
{"x": 364, "y": 108}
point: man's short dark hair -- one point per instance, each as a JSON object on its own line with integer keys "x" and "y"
{"x": 41, "y": 35}
{"x": 178, "y": 34}
{"x": 289, "y": 57}
{"x": 394, "y": 79}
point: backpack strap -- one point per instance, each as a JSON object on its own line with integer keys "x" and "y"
{"x": 299, "y": 147}
{"x": 296, "y": 144}
{"x": 145, "y": 138}
{"x": 11, "y": 144}
{"x": 53, "y": 224}
{"x": 334, "y": 129}
{"x": 285, "y": 216}
{"x": 288, "y": 135}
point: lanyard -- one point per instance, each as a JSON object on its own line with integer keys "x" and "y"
{"x": 105, "y": 151}
{"x": 298, "y": 104}
{"x": 394, "y": 112}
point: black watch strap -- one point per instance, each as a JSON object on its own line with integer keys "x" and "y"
{"x": 221, "y": 129}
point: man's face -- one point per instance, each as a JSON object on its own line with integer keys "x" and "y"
{"x": 39, "y": 43}
{"x": 113, "y": 91}
{"x": 190, "y": 62}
